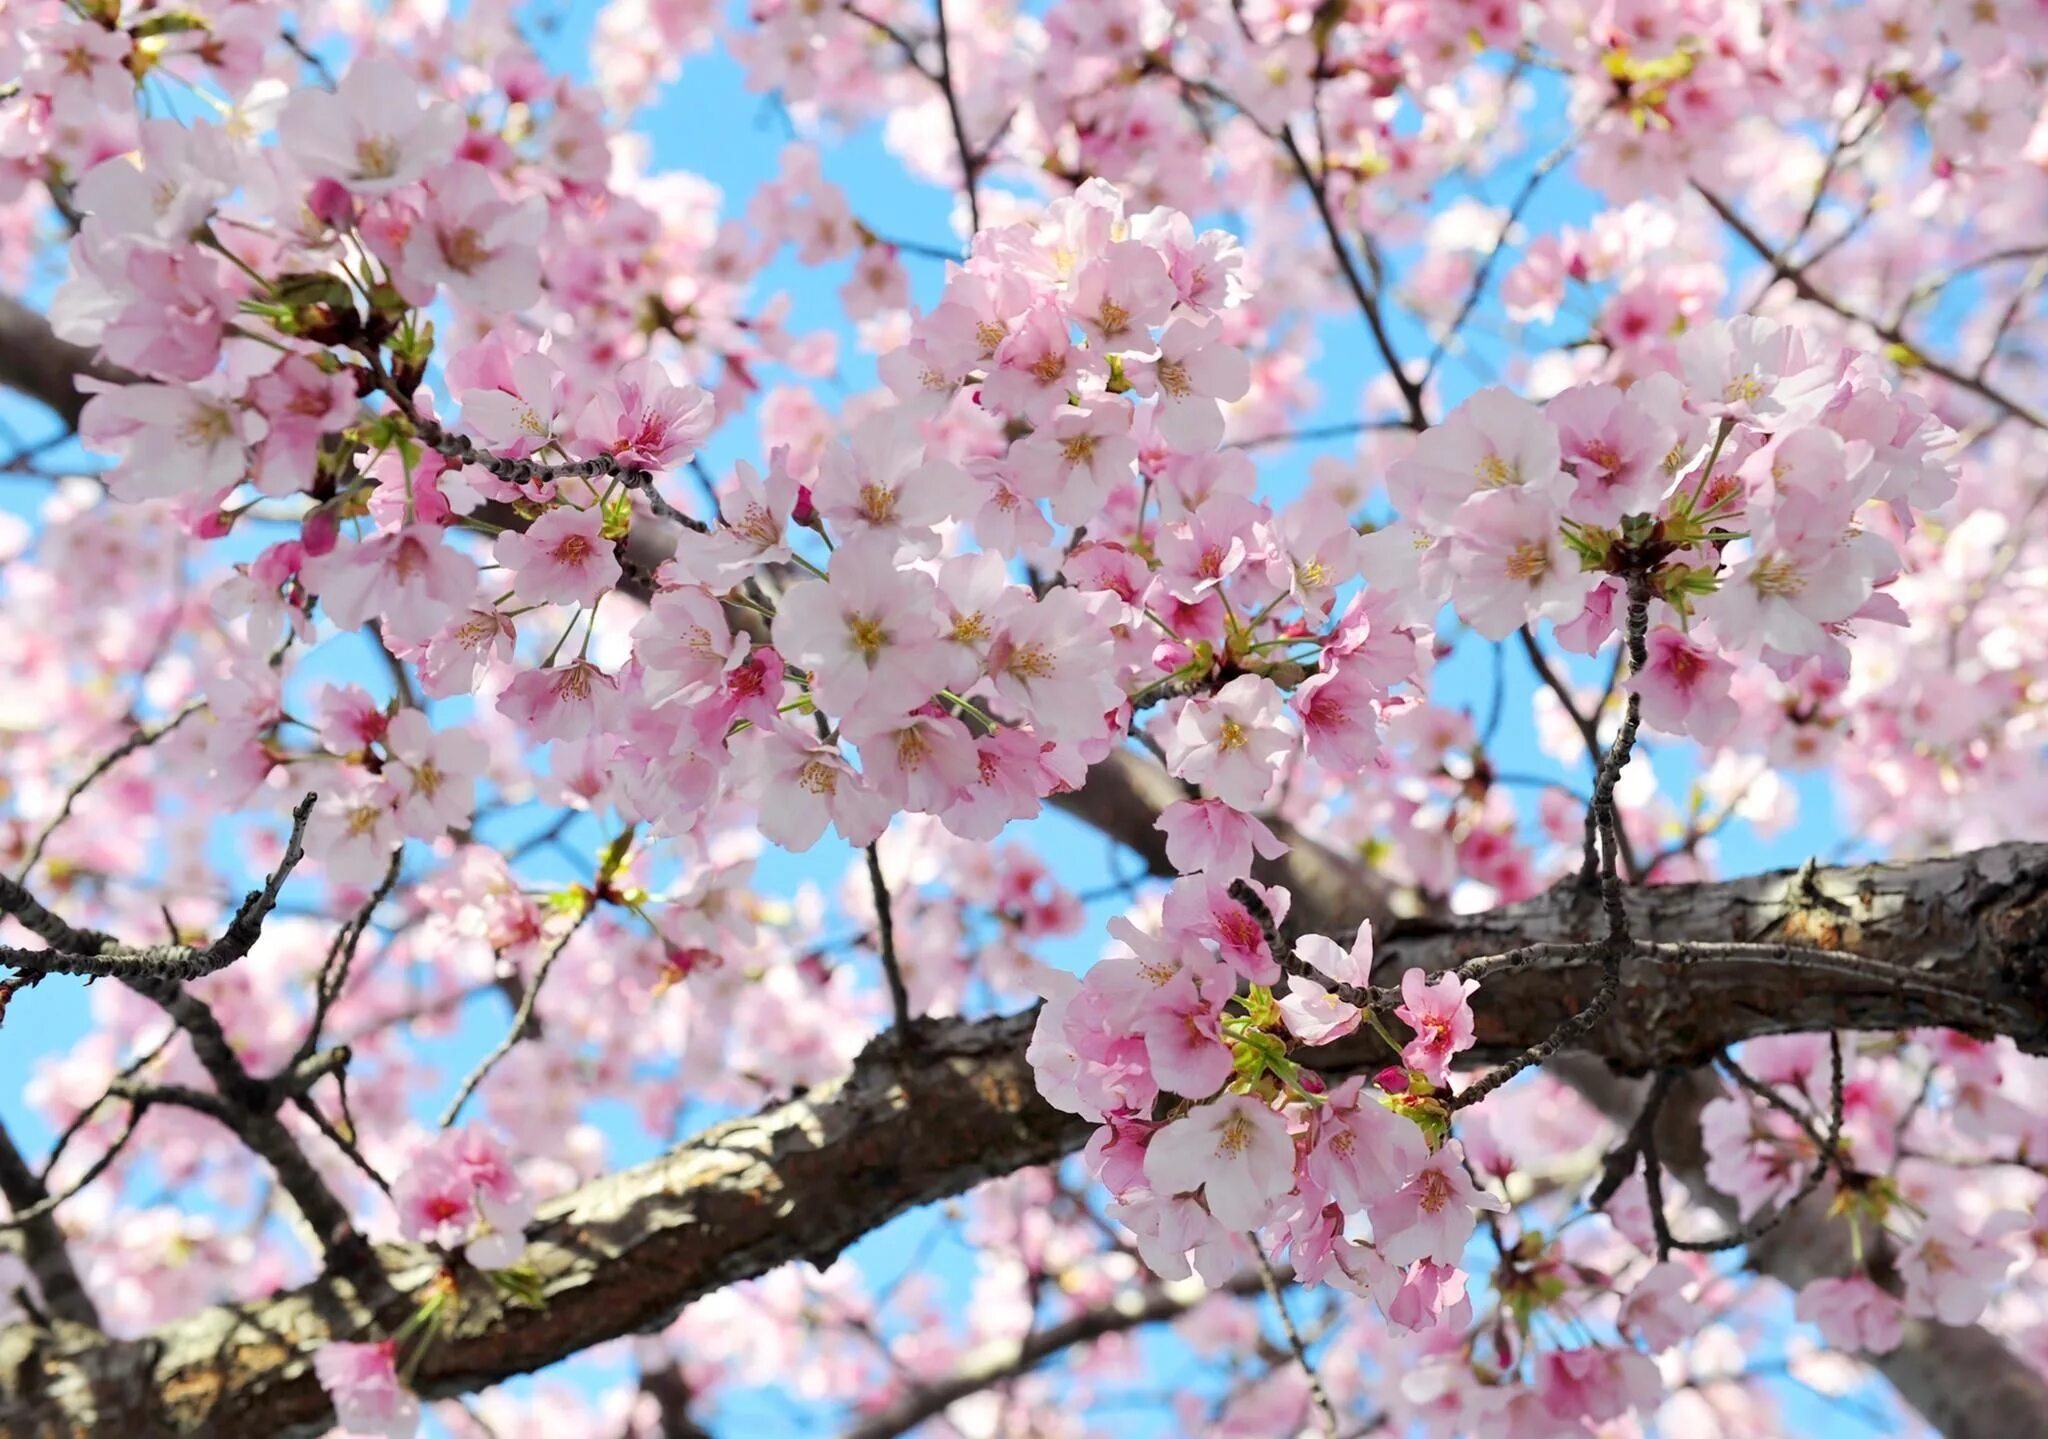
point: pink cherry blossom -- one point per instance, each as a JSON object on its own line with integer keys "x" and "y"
{"x": 1208, "y": 836}
{"x": 1194, "y": 370}
{"x": 1234, "y": 744}
{"x": 1440, "y": 1013}
{"x": 1852, "y": 1313}
{"x": 1432, "y": 1214}
{"x": 362, "y": 1382}
{"x": 643, "y": 417}
{"x": 407, "y": 579}
{"x": 1234, "y": 1150}
{"x": 370, "y": 132}
{"x": 561, "y": 558}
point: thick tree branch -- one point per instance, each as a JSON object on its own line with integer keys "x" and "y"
{"x": 42, "y": 1241}
{"x": 38, "y": 364}
{"x": 802, "y": 1179}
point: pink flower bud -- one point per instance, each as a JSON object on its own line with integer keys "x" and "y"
{"x": 278, "y": 563}
{"x": 1393, "y": 1079}
{"x": 331, "y": 204}
{"x": 212, "y": 525}
{"x": 318, "y": 532}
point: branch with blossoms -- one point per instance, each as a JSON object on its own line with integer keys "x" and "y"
{"x": 431, "y": 355}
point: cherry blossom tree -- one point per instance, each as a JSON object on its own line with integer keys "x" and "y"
{"x": 1279, "y": 901}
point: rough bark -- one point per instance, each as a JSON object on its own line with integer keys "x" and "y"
{"x": 801, "y": 1180}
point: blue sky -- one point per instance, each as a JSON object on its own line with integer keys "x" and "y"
{"x": 711, "y": 125}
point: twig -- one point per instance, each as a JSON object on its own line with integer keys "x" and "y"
{"x": 885, "y": 935}
{"x": 141, "y": 739}
{"x": 517, "y": 1031}
{"x": 1308, "y": 1368}
{"x": 164, "y": 963}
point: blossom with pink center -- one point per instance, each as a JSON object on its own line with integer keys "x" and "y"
{"x": 370, "y": 132}
{"x": 1493, "y": 441}
{"x": 1235, "y": 1150}
{"x": 1687, "y": 688}
{"x": 1200, "y": 552}
{"x": 1510, "y": 565}
{"x": 1119, "y": 295}
{"x": 753, "y": 528}
{"x": 177, "y": 308}
{"x": 362, "y": 1383}
{"x": 1747, "y": 369}
{"x": 561, "y": 558}
{"x": 1206, "y": 910}
{"x": 1177, "y": 1237}
{"x": 1428, "y": 1293}
{"x": 1440, "y": 1013}
{"x": 566, "y": 702}
{"x": 406, "y": 578}
{"x": 517, "y": 421}
{"x": 1432, "y": 1216}
{"x": 1340, "y": 718}
{"x": 1785, "y": 594}
{"x": 483, "y": 248}
{"x": 1614, "y": 450}
{"x": 1233, "y": 743}
{"x": 1852, "y": 1313}
{"x": 174, "y": 440}
{"x": 1207, "y": 836}
{"x": 918, "y": 762}
{"x": 353, "y": 830}
{"x": 458, "y": 653}
{"x": 1363, "y": 1152}
{"x": 1194, "y": 370}
{"x": 301, "y": 404}
{"x": 1592, "y": 1386}
{"x": 868, "y": 634}
{"x": 685, "y": 646}
{"x": 1050, "y": 659}
{"x": 1182, "y": 1027}
{"x": 1950, "y": 1274}
{"x": 1010, "y": 778}
{"x": 1036, "y": 366}
{"x": 350, "y": 720}
{"x": 644, "y": 418}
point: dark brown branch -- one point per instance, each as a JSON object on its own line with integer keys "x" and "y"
{"x": 48, "y": 1260}
{"x": 165, "y": 963}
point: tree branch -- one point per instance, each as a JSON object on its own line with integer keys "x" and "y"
{"x": 802, "y": 1179}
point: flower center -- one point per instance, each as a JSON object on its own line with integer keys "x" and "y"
{"x": 1777, "y": 578}
{"x": 464, "y": 250}
{"x": 1529, "y": 561}
{"x": 1236, "y": 1137}
{"x": 376, "y": 158}
{"x": 868, "y": 636}
{"x": 1173, "y": 378}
